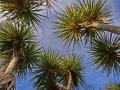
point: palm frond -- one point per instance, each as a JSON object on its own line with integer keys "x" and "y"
{"x": 95, "y": 10}
{"x": 29, "y": 58}
{"x": 74, "y": 64}
{"x": 49, "y": 3}
{"x": 68, "y": 21}
{"x": 112, "y": 86}
{"x": 25, "y": 11}
{"x": 46, "y": 70}
{"x": 11, "y": 33}
{"x": 53, "y": 66}
{"x": 67, "y": 29}
{"x": 106, "y": 53}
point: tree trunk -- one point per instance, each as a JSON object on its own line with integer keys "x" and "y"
{"x": 109, "y": 28}
{"x": 7, "y": 80}
{"x": 12, "y": 65}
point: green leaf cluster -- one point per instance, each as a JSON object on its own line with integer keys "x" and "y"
{"x": 67, "y": 22}
{"x": 24, "y": 11}
{"x": 53, "y": 66}
{"x": 24, "y": 39}
{"x": 105, "y": 51}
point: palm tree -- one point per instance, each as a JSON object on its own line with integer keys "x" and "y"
{"x": 18, "y": 51}
{"x": 88, "y": 20}
{"x": 105, "y": 52}
{"x": 84, "y": 21}
{"x": 24, "y": 11}
{"x": 55, "y": 72}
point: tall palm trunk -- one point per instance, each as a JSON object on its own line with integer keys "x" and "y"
{"x": 12, "y": 65}
{"x": 8, "y": 78}
{"x": 13, "y": 62}
{"x": 109, "y": 28}
{"x": 105, "y": 27}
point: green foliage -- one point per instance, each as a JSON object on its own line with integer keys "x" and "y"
{"x": 53, "y": 66}
{"x": 49, "y": 66}
{"x": 74, "y": 64}
{"x": 14, "y": 33}
{"x": 68, "y": 21}
{"x": 112, "y": 86}
{"x": 46, "y": 71}
{"x": 25, "y": 11}
{"x": 94, "y": 10}
{"x": 105, "y": 51}
{"x": 27, "y": 50}
{"x": 29, "y": 58}
{"x": 66, "y": 25}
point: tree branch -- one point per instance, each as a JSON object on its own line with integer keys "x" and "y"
{"x": 69, "y": 82}
{"x": 100, "y": 26}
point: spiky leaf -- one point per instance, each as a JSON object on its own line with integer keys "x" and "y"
{"x": 106, "y": 53}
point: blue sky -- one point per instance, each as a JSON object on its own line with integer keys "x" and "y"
{"x": 94, "y": 77}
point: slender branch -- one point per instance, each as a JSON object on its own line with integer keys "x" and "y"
{"x": 69, "y": 80}
{"x": 117, "y": 54}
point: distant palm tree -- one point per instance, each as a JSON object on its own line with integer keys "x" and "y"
{"x": 18, "y": 51}
{"x": 112, "y": 86}
{"x": 55, "y": 72}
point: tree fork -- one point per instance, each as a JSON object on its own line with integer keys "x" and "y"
{"x": 69, "y": 82}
